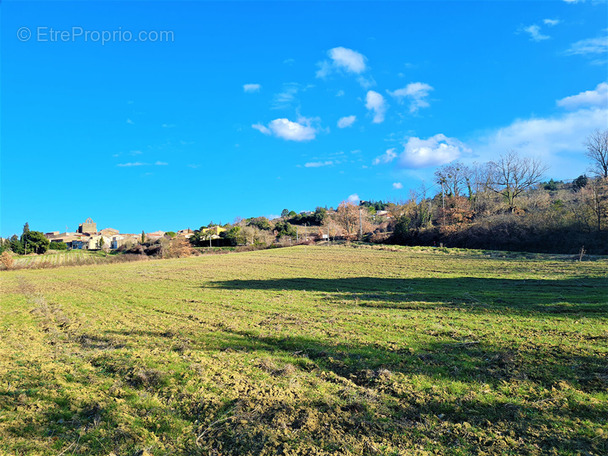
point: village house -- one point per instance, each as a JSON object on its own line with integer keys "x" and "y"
{"x": 126, "y": 239}
{"x": 155, "y": 235}
{"x": 109, "y": 232}
{"x": 187, "y": 233}
{"x": 87, "y": 236}
{"x": 72, "y": 240}
{"x": 98, "y": 242}
{"x": 214, "y": 230}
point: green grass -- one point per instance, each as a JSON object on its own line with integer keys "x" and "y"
{"x": 308, "y": 350}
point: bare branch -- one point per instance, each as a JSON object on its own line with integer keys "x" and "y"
{"x": 597, "y": 151}
{"x": 511, "y": 175}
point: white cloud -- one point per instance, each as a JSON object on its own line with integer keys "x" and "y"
{"x": 168, "y": 125}
{"x": 534, "y": 32}
{"x": 318, "y": 164}
{"x": 347, "y": 121}
{"x": 251, "y": 88}
{"x": 376, "y": 103}
{"x": 366, "y": 82}
{"x": 126, "y": 165}
{"x": 325, "y": 68}
{"x": 574, "y": 1}
{"x": 434, "y": 151}
{"x": 345, "y": 61}
{"x": 557, "y": 140}
{"x": 354, "y": 198}
{"x": 589, "y": 98}
{"x": 130, "y": 122}
{"x": 348, "y": 59}
{"x": 551, "y": 22}
{"x": 589, "y": 46}
{"x": 288, "y": 96}
{"x": 288, "y": 130}
{"x": 397, "y": 185}
{"x": 416, "y": 93}
{"x": 340, "y": 93}
{"x": 386, "y": 157}
{"x": 261, "y": 128}
{"x": 130, "y": 164}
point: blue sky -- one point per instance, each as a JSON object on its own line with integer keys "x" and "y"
{"x": 245, "y": 108}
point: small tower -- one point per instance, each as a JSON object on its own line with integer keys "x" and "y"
{"x": 89, "y": 226}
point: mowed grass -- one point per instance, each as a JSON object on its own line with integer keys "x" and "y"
{"x": 308, "y": 350}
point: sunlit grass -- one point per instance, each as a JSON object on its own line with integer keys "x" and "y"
{"x": 308, "y": 350}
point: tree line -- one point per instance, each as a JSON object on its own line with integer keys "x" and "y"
{"x": 504, "y": 204}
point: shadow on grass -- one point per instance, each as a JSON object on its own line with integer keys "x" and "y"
{"x": 585, "y": 297}
{"x": 420, "y": 401}
{"x": 415, "y": 407}
{"x": 467, "y": 362}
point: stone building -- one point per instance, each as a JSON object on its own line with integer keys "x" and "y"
{"x": 89, "y": 226}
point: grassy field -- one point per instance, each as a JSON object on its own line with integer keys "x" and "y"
{"x": 308, "y": 350}
{"x": 58, "y": 258}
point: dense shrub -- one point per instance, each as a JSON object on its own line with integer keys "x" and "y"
{"x": 261, "y": 223}
{"x": 507, "y": 232}
{"x": 176, "y": 248}
{"x": 34, "y": 242}
{"x": 58, "y": 246}
{"x": 285, "y": 229}
{"x": 233, "y": 236}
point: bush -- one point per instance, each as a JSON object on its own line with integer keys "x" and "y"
{"x": 507, "y": 232}
{"x": 16, "y": 246}
{"x": 58, "y": 246}
{"x": 177, "y": 248}
{"x": 6, "y": 259}
{"x": 580, "y": 182}
{"x": 285, "y": 229}
{"x": 233, "y": 237}
{"x": 261, "y": 223}
{"x": 35, "y": 242}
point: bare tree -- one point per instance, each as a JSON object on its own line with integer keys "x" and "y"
{"x": 255, "y": 236}
{"x": 511, "y": 175}
{"x": 478, "y": 180}
{"x": 331, "y": 227}
{"x": 452, "y": 177}
{"x": 597, "y": 151}
{"x": 596, "y": 198}
{"x": 347, "y": 216}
